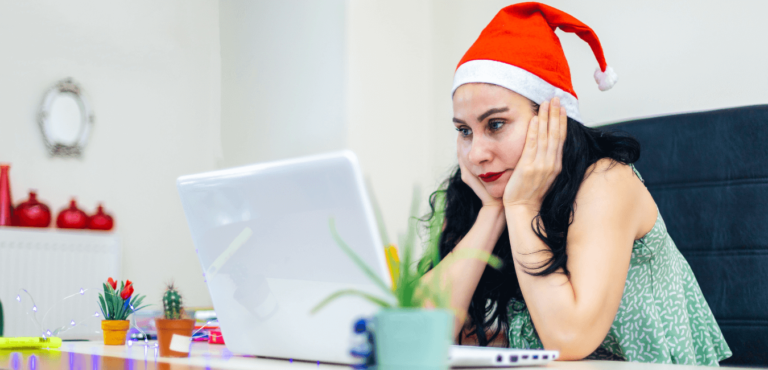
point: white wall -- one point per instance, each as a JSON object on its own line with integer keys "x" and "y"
{"x": 390, "y": 106}
{"x": 283, "y": 78}
{"x": 151, "y": 71}
{"x": 302, "y": 77}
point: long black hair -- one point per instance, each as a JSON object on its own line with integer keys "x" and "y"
{"x": 488, "y": 309}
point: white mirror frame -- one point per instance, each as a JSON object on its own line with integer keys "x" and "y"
{"x": 55, "y": 148}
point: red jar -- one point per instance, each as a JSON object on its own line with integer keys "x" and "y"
{"x": 101, "y": 220}
{"x": 32, "y": 213}
{"x": 72, "y": 217}
{"x": 6, "y": 207}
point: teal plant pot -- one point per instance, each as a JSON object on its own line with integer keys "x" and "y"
{"x": 413, "y": 339}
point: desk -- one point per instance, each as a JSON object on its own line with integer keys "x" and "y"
{"x": 96, "y": 356}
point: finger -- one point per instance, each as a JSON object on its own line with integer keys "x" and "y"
{"x": 529, "y": 151}
{"x": 553, "y": 136}
{"x": 563, "y": 134}
{"x": 543, "y": 128}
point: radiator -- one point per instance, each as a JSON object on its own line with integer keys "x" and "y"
{"x": 50, "y": 265}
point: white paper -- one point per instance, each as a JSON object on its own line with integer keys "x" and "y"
{"x": 180, "y": 343}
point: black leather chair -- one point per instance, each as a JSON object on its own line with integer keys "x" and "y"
{"x": 708, "y": 173}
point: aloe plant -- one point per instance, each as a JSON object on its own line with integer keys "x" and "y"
{"x": 410, "y": 287}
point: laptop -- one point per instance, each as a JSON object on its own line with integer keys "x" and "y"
{"x": 263, "y": 238}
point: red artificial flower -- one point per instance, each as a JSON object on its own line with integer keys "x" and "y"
{"x": 127, "y": 291}
{"x": 112, "y": 283}
{"x": 128, "y": 282}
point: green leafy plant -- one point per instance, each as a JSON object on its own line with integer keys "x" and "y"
{"x": 411, "y": 288}
{"x": 118, "y": 304}
{"x": 172, "y": 305}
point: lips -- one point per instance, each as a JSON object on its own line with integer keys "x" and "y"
{"x": 491, "y": 176}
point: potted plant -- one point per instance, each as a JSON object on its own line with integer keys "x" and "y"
{"x": 407, "y": 335}
{"x": 174, "y": 331}
{"x": 116, "y": 305}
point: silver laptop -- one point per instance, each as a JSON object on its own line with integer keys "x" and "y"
{"x": 263, "y": 238}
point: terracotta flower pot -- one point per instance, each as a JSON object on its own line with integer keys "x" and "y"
{"x": 165, "y": 332}
{"x": 114, "y": 331}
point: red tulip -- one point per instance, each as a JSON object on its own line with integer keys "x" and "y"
{"x": 128, "y": 282}
{"x": 112, "y": 283}
{"x": 127, "y": 291}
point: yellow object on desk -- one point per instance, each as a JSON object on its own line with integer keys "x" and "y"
{"x": 393, "y": 263}
{"x": 30, "y": 342}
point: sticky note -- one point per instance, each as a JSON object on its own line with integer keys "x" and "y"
{"x": 180, "y": 343}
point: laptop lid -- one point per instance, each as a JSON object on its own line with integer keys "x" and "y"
{"x": 263, "y": 238}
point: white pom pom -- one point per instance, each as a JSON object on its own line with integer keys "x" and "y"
{"x": 605, "y": 80}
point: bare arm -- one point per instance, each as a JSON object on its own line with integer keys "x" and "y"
{"x": 574, "y": 315}
{"x": 462, "y": 275}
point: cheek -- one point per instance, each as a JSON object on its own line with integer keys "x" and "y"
{"x": 463, "y": 146}
{"x": 512, "y": 148}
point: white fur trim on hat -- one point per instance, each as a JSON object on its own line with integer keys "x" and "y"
{"x": 516, "y": 79}
{"x": 606, "y": 80}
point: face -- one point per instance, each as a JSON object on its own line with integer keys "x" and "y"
{"x": 492, "y": 123}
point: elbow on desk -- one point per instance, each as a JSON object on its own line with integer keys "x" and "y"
{"x": 572, "y": 346}
{"x": 571, "y": 355}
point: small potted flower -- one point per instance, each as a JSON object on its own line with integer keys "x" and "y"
{"x": 174, "y": 331}
{"x": 116, "y": 305}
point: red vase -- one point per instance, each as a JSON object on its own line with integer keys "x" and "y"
{"x": 101, "y": 220}
{"x": 6, "y": 205}
{"x": 72, "y": 217}
{"x": 32, "y": 213}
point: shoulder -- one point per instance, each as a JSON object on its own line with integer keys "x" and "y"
{"x": 613, "y": 194}
{"x": 608, "y": 180}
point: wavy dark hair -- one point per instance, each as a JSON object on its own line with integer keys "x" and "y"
{"x": 488, "y": 309}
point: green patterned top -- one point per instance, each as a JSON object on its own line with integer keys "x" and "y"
{"x": 663, "y": 316}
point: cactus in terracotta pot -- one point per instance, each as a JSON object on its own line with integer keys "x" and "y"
{"x": 174, "y": 332}
{"x": 172, "y": 303}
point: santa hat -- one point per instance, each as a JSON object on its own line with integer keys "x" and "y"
{"x": 520, "y": 51}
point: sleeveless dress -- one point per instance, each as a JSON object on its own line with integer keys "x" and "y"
{"x": 663, "y": 316}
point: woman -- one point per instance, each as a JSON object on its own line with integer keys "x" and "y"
{"x": 589, "y": 267}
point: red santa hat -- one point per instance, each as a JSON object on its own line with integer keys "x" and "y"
{"x": 520, "y": 51}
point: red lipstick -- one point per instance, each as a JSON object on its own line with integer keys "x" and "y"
{"x": 491, "y": 176}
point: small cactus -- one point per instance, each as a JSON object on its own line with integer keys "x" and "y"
{"x": 172, "y": 303}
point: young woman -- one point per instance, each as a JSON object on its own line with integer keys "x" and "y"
{"x": 589, "y": 267}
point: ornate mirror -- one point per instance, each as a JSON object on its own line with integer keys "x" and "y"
{"x": 65, "y": 119}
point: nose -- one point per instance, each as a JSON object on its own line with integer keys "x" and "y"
{"x": 480, "y": 151}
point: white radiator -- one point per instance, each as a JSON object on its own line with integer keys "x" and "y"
{"x": 51, "y": 265}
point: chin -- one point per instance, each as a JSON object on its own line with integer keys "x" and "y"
{"x": 495, "y": 189}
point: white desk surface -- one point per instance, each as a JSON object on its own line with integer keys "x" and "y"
{"x": 213, "y": 356}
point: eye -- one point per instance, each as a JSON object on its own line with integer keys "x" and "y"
{"x": 496, "y": 125}
{"x": 463, "y": 131}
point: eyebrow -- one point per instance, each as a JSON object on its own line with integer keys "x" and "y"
{"x": 492, "y": 111}
{"x": 484, "y": 115}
